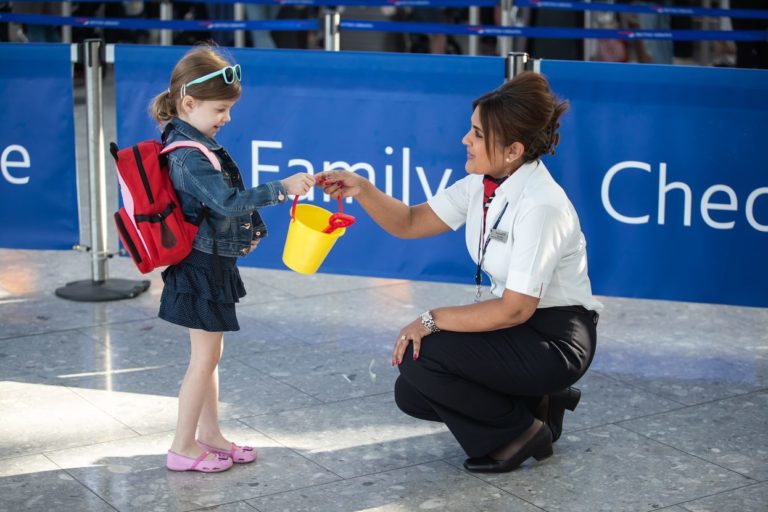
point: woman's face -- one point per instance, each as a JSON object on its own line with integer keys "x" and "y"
{"x": 478, "y": 159}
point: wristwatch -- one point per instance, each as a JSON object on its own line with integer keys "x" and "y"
{"x": 429, "y": 322}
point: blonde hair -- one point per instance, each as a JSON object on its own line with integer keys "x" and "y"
{"x": 197, "y": 62}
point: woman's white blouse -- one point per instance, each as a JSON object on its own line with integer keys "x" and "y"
{"x": 538, "y": 248}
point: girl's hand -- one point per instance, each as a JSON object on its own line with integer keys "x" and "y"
{"x": 298, "y": 184}
{"x": 340, "y": 183}
{"x": 413, "y": 332}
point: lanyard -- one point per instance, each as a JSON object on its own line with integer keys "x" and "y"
{"x": 482, "y": 247}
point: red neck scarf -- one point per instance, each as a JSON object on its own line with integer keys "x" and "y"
{"x": 490, "y": 185}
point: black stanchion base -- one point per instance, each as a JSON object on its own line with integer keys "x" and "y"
{"x": 102, "y": 291}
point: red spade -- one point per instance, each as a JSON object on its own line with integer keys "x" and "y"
{"x": 339, "y": 219}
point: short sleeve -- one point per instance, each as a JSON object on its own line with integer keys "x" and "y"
{"x": 452, "y": 203}
{"x": 539, "y": 237}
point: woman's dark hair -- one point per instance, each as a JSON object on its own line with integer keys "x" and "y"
{"x": 522, "y": 110}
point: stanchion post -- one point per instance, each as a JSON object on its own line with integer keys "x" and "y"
{"x": 66, "y": 30}
{"x": 588, "y": 45}
{"x": 331, "y": 25}
{"x": 239, "y": 34}
{"x": 474, "y": 41}
{"x": 516, "y": 63}
{"x": 96, "y": 171}
{"x": 166, "y": 14}
{"x": 505, "y": 42}
{"x": 536, "y": 67}
{"x": 98, "y": 288}
{"x": 705, "y": 54}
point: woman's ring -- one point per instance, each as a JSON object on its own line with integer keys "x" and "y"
{"x": 402, "y": 337}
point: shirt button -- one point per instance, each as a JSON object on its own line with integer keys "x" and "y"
{"x": 258, "y": 233}
{"x": 280, "y": 197}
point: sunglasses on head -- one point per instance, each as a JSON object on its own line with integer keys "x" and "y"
{"x": 228, "y": 73}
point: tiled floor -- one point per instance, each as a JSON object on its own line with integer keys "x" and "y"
{"x": 673, "y": 415}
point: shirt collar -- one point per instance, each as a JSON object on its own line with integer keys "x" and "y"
{"x": 513, "y": 187}
{"x": 193, "y": 133}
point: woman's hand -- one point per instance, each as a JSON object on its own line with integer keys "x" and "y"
{"x": 298, "y": 184}
{"x": 413, "y": 332}
{"x": 340, "y": 183}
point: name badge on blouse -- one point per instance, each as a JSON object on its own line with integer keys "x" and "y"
{"x": 499, "y": 235}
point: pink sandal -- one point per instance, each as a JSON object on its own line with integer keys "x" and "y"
{"x": 238, "y": 454}
{"x": 176, "y": 462}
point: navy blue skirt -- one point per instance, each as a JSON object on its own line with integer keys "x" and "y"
{"x": 192, "y": 298}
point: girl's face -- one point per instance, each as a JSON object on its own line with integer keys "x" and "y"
{"x": 208, "y": 116}
{"x": 478, "y": 159}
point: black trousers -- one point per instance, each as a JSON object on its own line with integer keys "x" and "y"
{"x": 485, "y": 386}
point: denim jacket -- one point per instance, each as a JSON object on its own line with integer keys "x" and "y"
{"x": 233, "y": 219}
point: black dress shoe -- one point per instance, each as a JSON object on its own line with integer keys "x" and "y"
{"x": 552, "y": 409}
{"x": 539, "y": 447}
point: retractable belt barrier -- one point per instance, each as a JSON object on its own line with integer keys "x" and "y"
{"x": 392, "y": 26}
{"x": 554, "y": 33}
{"x": 760, "y": 14}
{"x": 532, "y": 4}
{"x": 327, "y": 3}
{"x": 138, "y": 24}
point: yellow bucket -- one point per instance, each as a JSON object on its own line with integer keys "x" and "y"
{"x": 311, "y": 235}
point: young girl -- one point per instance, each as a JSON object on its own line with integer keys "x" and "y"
{"x": 201, "y": 291}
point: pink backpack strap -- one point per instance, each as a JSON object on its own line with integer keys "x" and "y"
{"x": 196, "y": 145}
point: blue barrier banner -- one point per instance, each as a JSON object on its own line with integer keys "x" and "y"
{"x": 38, "y": 179}
{"x": 397, "y": 119}
{"x": 666, "y": 176}
{"x": 664, "y": 165}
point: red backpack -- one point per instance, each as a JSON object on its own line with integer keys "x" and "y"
{"x": 151, "y": 223}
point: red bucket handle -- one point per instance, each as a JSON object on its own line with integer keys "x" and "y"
{"x": 296, "y": 200}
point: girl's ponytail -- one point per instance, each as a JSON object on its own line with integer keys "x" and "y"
{"x": 163, "y": 107}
